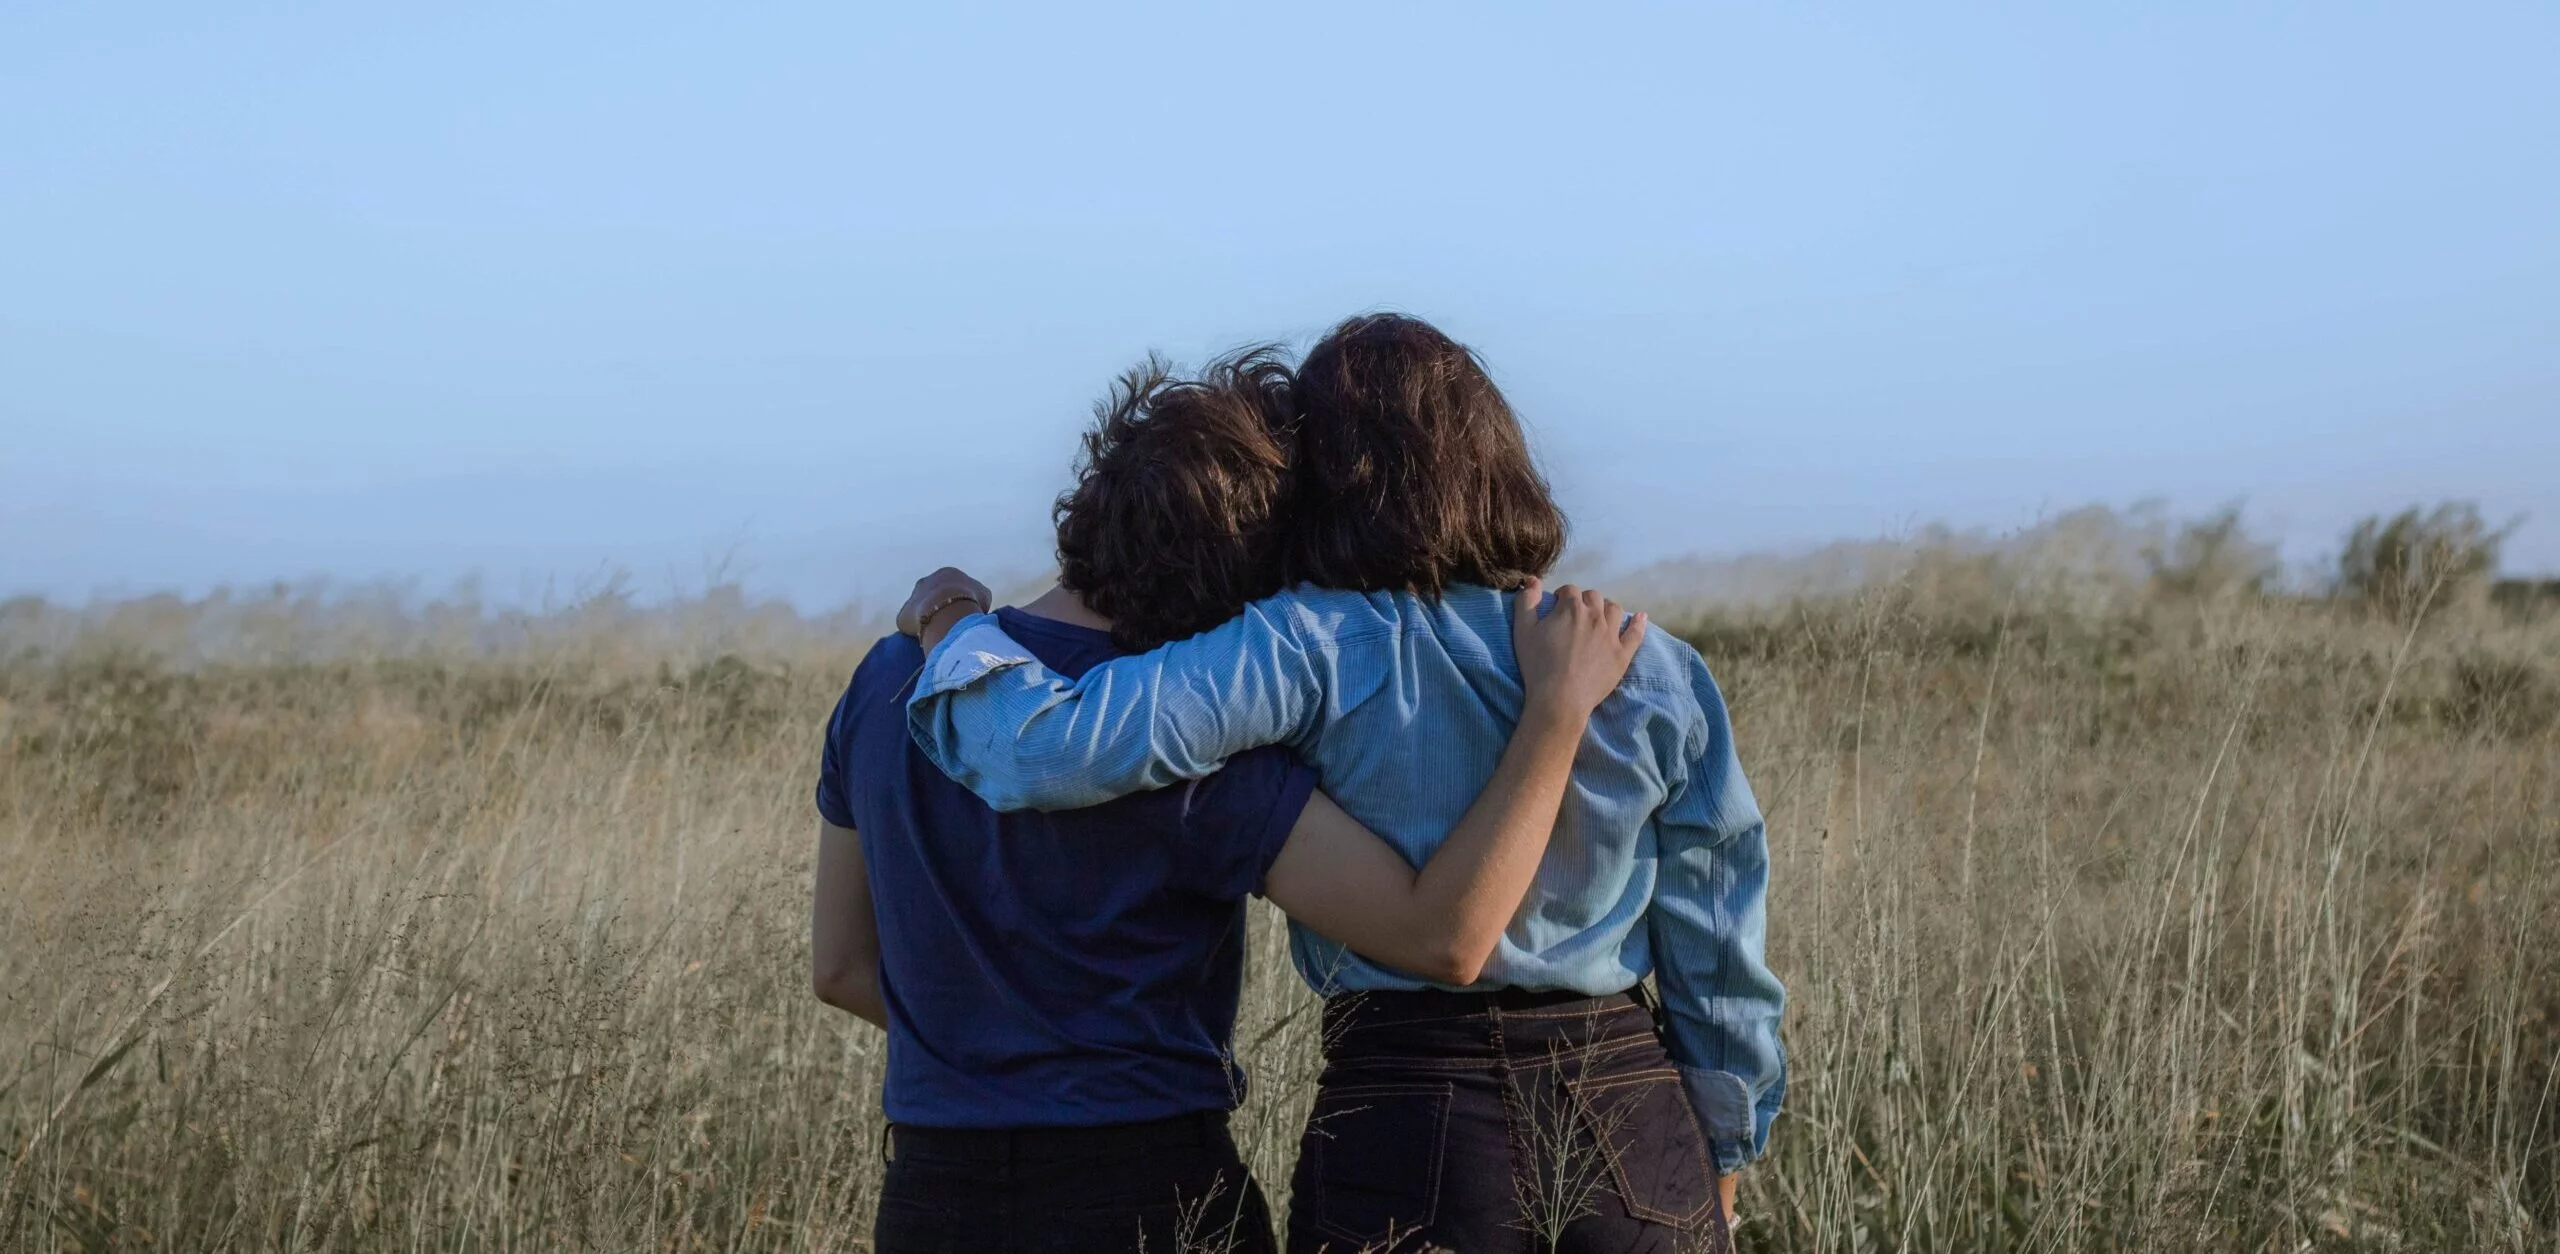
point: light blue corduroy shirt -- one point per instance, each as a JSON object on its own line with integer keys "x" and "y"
{"x": 1403, "y": 704}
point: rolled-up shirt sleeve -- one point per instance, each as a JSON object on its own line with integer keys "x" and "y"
{"x": 1709, "y": 928}
{"x": 1023, "y": 737}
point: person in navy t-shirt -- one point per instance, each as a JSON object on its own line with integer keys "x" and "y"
{"x": 1060, "y": 989}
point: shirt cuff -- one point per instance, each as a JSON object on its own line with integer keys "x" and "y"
{"x": 1723, "y": 1103}
{"x": 976, "y": 648}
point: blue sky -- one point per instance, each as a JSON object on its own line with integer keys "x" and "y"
{"x": 530, "y": 289}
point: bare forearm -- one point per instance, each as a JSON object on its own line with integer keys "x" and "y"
{"x": 857, "y": 994}
{"x": 844, "y": 934}
{"x": 1474, "y": 882}
{"x": 872, "y": 1010}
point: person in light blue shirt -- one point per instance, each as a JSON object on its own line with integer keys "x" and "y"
{"x": 1389, "y": 669}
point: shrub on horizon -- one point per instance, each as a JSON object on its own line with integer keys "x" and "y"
{"x": 2414, "y": 559}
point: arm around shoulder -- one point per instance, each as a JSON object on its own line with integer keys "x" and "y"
{"x": 1022, "y": 736}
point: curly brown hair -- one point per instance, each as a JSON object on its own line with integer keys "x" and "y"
{"x": 1173, "y": 522}
{"x": 1412, "y": 472}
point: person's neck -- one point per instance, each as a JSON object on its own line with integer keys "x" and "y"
{"x": 1060, "y": 605}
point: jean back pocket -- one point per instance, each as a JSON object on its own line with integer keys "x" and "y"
{"x": 1649, "y": 1137}
{"x": 1369, "y": 1165}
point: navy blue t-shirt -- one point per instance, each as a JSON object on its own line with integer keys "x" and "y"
{"x": 1051, "y": 970}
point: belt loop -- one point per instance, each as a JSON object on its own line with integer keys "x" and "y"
{"x": 1652, "y": 1004}
{"x": 887, "y": 1149}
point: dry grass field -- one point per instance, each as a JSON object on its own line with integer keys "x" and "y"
{"x": 2175, "y": 926}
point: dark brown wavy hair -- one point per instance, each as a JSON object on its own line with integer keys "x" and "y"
{"x": 1412, "y": 472}
{"x": 1173, "y": 523}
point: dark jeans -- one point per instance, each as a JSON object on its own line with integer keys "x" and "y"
{"x": 1174, "y": 1184}
{"x": 1510, "y": 1121}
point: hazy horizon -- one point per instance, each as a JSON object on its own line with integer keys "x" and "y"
{"x": 827, "y": 295}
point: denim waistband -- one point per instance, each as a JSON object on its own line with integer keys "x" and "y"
{"x": 1206, "y": 1129}
{"x": 1435, "y": 1021}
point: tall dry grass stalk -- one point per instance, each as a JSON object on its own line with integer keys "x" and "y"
{"x": 2222, "y": 927}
